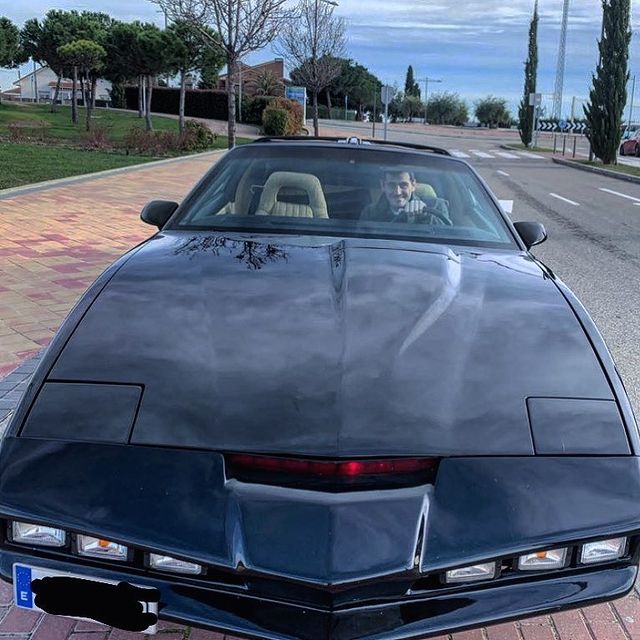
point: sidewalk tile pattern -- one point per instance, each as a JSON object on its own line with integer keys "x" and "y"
{"x": 53, "y": 243}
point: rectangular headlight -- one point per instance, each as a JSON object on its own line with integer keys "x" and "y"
{"x": 471, "y": 573}
{"x": 167, "y": 563}
{"x": 603, "y": 550}
{"x": 543, "y": 560}
{"x": 99, "y": 548}
{"x": 26, "y": 533}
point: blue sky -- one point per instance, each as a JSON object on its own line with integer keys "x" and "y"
{"x": 477, "y": 47}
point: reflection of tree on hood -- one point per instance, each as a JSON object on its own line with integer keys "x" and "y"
{"x": 254, "y": 254}
{"x": 257, "y": 255}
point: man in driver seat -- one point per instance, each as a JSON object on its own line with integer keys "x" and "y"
{"x": 400, "y": 203}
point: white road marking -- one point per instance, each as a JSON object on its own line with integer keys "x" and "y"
{"x": 507, "y": 206}
{"x": 459, "y": 154}
{"x": 622, "y": 195}
{"x": 503, "y": 173}
{"x": 481, "y": 154}
{"x": 511, "y": 156}
{"x": 555, "y": 195}
{"x": 527, "y": 154}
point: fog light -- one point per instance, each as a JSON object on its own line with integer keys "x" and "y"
{"x": 167, "y": 563}
{"x": 543, "y": 560}
{"x": 26, "y": 533}
{"x": 472, "y": 573}
{"x": 99, "y": 548}
{"x": 603, "y": 550}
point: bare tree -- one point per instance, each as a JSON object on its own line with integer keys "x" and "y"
{"x": 243, "y": 26}
{"x": 313, "y": 45}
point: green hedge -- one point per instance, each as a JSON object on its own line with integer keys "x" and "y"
{"x": 198, "y": 103}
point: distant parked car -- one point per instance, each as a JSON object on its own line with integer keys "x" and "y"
{"x": 631, "y": 146}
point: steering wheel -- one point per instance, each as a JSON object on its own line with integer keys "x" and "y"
{"x": 404, "y": 217}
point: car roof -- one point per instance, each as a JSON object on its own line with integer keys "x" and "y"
{"x": 353, "y": 141}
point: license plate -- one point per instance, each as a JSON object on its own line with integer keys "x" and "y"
{"x": 85, "y": 597}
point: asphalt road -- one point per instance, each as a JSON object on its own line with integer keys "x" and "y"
{"x": 593, "y": 224}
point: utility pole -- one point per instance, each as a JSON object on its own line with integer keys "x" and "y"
{"x": 633, "y": 93}
{"x": 562, "y": 53}
{"x": 427, "y": 80}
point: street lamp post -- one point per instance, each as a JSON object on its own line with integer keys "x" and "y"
{"x": 427, "y": 80}
{"x": 314, "y": 53}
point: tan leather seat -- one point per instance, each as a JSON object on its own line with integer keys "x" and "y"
{"x": 304, "y": 182}
{"x": 424, "y": 190}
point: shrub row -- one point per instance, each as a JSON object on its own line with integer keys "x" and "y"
{"x": 198, "y": 103}
{"x": 213, "y": 105}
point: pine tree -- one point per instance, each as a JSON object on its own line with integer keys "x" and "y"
{"x": 526, "y": 112}
{"x": 608, "y": 95}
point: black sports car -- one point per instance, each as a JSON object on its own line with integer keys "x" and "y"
{"x": 335, "y": 397}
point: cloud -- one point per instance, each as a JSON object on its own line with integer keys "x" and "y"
{"x": 476, "y": 46}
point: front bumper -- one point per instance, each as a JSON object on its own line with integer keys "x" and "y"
{"x": 415, "y": 615}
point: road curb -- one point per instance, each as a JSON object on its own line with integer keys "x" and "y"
{"x": 510, "y": 148}
{"x": 604, "y": 172}
{"x": 49, "y": 184}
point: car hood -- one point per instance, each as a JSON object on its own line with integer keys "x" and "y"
{"x": 329, "y": 347}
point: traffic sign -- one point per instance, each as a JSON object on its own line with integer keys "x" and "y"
{"x": 387, "y": 94}
{"x": 535, "y": 99}
{"x": 299, "y": 95}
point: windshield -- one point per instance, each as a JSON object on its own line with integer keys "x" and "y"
{"x": 346, "y": 191}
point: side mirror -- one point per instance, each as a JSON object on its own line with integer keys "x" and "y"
{"x": 158, "y": 212}
{"x": 532, "y": 233}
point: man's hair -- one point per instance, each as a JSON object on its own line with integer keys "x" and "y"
{"x": 396, "y": 171}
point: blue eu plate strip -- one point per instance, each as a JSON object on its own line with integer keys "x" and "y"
{"x": 24, "y": 595}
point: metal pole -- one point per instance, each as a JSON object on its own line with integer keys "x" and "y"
{"x": 240, "y": 91}
{"x": 346, "y": 108}
{"x": 633, "y": 93}
{"x": 575, "y": 140}
{"x": 35, "y": 83}
{"x": 426, "y": 98}
{"x": 375, "y": 100}
{"x": 564, "y": 143}
{"x": 555, "y": 140}
{"x": 573, "y": 109}
{"x": 386, "y": 119}
{"x": 535, "y": 126}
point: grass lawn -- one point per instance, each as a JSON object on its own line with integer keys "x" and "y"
{"x": 23, "y": 162}
{"x": 61, "y": 128}
{"x": 27, "y": 163}
{"x": 620, "y": 168}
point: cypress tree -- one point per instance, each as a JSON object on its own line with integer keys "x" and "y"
{"x": 526, "y": 112}
{"x": 608, "y": 94}
{"x": 411, "y": 87}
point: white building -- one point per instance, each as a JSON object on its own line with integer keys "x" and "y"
{"x": 45, "y": 80}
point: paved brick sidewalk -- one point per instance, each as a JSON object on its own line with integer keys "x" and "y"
{"x": 53, "y": 243}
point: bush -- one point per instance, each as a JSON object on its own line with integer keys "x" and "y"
{"x": 253, "y": 108}
{"x": 24, "y": 130}
{"x": 98, "y": 137}
{"x": 155, "y": 143}
{"x": 294, "y": 112}
{"x": 275, "y": 121}
{"x": 197, "y": 136}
